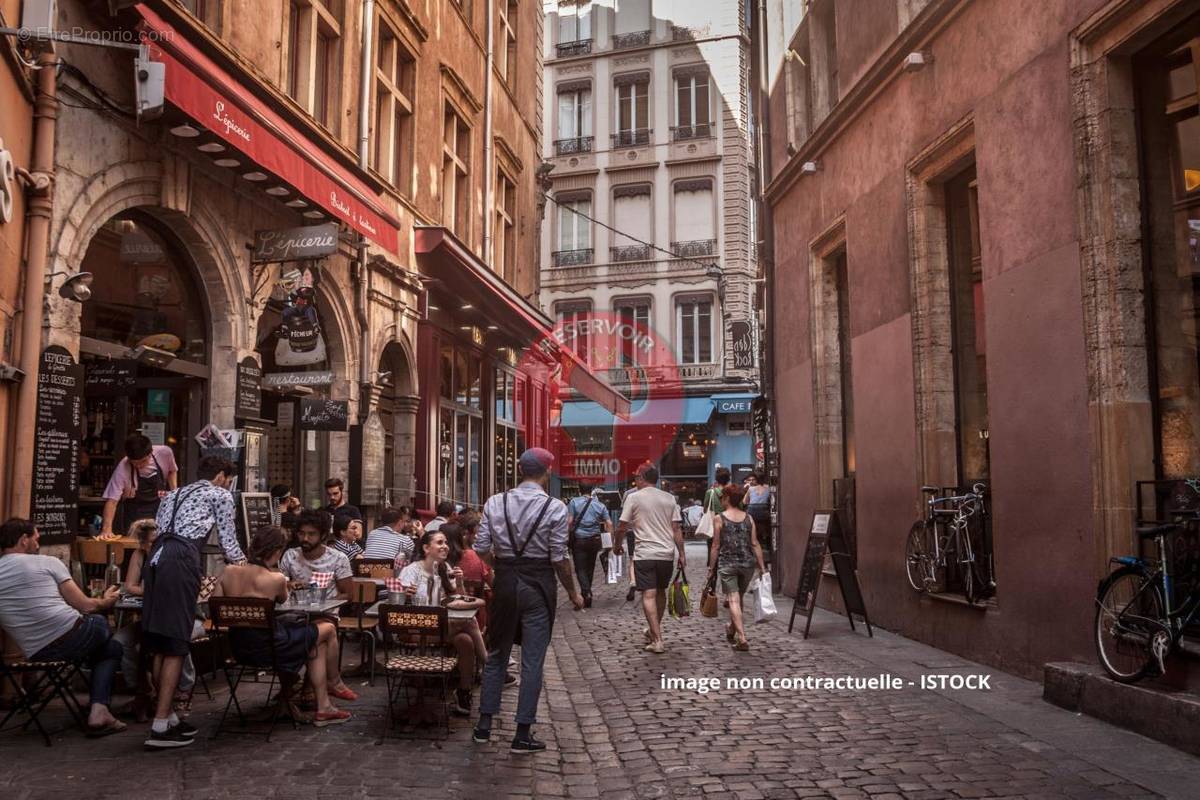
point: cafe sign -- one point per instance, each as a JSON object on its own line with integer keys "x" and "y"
{"x": 741, "y": 344}
{"x": 295, "y": 244}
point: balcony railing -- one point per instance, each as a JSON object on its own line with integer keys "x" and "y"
{"x": 580, "y": 47}
{"x": 579, "y": 144}
{"x": 572, "y": 258}
{"x": 636, "y": 137}
{"x": 694, "y": 248}
{"x": 632, "y": 252}
{"x": 701, "y": 130}
{"x": 624, "y": 41}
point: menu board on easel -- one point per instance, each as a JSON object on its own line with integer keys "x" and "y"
{"x": 256, "y": 513}
{"x": 55, "y": 508}
{"x": 825, "y": 536}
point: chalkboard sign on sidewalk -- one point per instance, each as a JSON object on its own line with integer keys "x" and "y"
{"x": 825, "y": 535}
{"x": 56, "y": 446}
{"x": 256, "y": 513}
{"x": 324, "y": 415}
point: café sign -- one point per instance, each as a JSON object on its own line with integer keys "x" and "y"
{"x": 295, "y": 244}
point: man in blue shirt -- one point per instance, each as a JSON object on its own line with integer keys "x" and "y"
{"x": 587, "y": 516}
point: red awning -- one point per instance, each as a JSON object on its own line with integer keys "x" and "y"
{"x": 465, "y": 275}
{"x": 227, "y": 108}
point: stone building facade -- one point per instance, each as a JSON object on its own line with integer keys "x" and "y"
{"x": 985, "y": 272}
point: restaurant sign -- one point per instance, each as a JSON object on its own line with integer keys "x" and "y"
{"x": 741, "y": 344}
{"x": 295, "y": 244}
{"x": 283, "y": 380}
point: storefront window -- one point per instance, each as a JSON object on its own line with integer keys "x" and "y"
{"x": 461, "y": 426}
{"x": 446, "y": 454}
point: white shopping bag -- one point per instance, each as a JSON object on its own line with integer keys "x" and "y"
{"x": 605, "y": 540}
{"x": 764, "y": 604}
{"x": 616, "y": 568}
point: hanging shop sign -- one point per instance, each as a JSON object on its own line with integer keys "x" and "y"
{"x": 741, "y": 344}
{"x": 295, "y": 244}
{"x": 285, "y": 380}
{"x": 300, "y": 340}
{"x": 56, "y": 449}
{"x": 247, "y": 401}
{"x": 324, "y": 415}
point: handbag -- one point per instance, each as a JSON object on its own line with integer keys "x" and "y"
{"x": 705, "y": 526}
{"x": 679, "y": 601}
{"x": 708, "y": 598}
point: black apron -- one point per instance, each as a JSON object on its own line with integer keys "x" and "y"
{"x": 145, "y": 500}
{"x": 171, "y": 580}
{"x": 504, "y": 621}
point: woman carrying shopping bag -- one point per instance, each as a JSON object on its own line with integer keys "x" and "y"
{"x": 734, "y": 557}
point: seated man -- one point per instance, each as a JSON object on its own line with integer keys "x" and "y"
{"x": 298, "y": 643}
{"x": 51, "y": 619}
{"x": 347, "y": 531}
{"x": 389, "y": 540}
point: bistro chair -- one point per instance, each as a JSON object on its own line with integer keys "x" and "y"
{"x": 252, "y": 613}
{"x": 415, "y": 658}
{"x": 354, "y": 622}
{"x": 374, "y": 568}
{"x": 35, "y": 684}
{"x": 93, "y": 558}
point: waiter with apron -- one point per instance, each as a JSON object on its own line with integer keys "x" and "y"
{"x": 524, "y": 533}
{"x": 171, "y": 582}
{"x": 142, "y": 477}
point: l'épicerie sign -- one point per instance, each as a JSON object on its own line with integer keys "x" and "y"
{"x": 295, "y": 244}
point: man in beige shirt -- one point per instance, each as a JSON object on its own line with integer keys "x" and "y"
{"x": 653, "y": 516}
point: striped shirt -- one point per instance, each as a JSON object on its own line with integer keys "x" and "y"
{"x": 350, "y": 549}
{"x": 385, "y": 542}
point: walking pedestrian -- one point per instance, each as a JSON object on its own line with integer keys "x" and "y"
{"x": 758, "y": 506}
{"x": 712, "y": 498}
{"x": 171, "y": 581}
{"x": 653, "y": 516}
{"x": 735, "y": 554}
{"x": 524, "y": 531}
{"x": 587, "y": 516}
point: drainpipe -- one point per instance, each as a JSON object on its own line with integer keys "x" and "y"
{"x": 40, "y": 210}
{"x": 489, "y": 176}
{"x": 360, "y": 264}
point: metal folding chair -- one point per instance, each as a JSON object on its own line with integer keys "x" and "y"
{"x": 414, "y": 657}
{"x": 253, "y": 613}
{"x": 49, "y": 680}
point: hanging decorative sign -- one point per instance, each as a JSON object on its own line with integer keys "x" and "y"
{"x": 741, "y": 344}
{"x": 295, "y": 244}
{"x": 300, "y": 340}
{"x": 324, "y": 415}
{"x": 284, "y": 380}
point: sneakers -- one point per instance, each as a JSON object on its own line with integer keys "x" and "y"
{"x": 481, "y": 736}
{"x": 629, "y": 594}
{"x": 171, "y": 738}
{"x": 527, "y": 745}
{"x": 462, "y": 703}
{"x": 509, "y": 679}
{"x": 335, "y": 717}
{"x": 186, "y": 729}
{"x": 655, "y": 647}
{"x": 343, "y": 692}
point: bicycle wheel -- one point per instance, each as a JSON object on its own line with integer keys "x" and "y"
{"x": 1129, "y": 612}
{"x": 918, "y": 556}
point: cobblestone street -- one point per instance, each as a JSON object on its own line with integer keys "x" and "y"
{"x": 615, "y": 733}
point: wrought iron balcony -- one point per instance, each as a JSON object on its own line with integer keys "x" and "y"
{"x": 632, "y": 252}
{"x": 694, "y": 248}
{"x": 701, "y": 130}
{"x": 637, "y": 137}
{"x": 623, "y": 41}
{"x": 580, "y": 47}
{"x": 572, "y": 258}
{"x": 568, "y": 147}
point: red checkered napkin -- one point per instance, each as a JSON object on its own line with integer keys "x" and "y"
{"x": 323, "y": 579}
{"x": 393, "y": 585}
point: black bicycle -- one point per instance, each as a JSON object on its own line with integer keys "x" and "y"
{"x": 946, "y": 541}
{"x": 1139, "y": 618}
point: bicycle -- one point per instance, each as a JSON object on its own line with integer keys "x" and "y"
{"x": 944, "y": 533}
{"x": 1138, "y": 623}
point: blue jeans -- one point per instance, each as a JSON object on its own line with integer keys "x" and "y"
{"x": 92, "y": 645}
{"x": 535, "y": 638}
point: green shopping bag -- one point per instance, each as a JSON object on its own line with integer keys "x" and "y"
{"x": 679, "y": 600}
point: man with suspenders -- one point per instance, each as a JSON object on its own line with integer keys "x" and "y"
{"x": 524, "y": 533}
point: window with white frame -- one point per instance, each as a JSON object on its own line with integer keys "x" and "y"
{"x": 314, "y": 57}
{"x": 691, "y": 104}
{"x": 506, "y": 39}
{"x": 574, "y": 229}
{"x": 395, "y": 70}
{"x": 633, "y": 109}
{"x": 456, "y": 190}
{"x": 633, "y": 217}
{"x": 573, "y": 325}
{"x": 633, "y": 332}
{"x": 694, "y": 215}
{"x": 574, "y": 118}
{"x": 574, "y": 23}
{"x": 693, "y": 329}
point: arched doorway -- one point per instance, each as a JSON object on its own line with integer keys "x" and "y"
{"x": 397, "y": 414}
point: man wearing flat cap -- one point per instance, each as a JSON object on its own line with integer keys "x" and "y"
{"x": 524, "y": 533}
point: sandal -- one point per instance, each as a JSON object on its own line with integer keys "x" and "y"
{"x": 730, "y": 636}
{"x": 98, "y": 731}
{"x": 343, "y": 692}
{"x": 742, "y": 647}
{"x": 336, "y": 717}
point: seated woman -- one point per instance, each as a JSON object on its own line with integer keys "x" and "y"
{"x": 476, "y": 574}
{"x": 429, "y": 582}
{"x": 297, "y": 644}
{"x": 347, "y": 533}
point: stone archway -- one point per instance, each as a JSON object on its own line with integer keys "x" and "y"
{"x": 393, "y": 422}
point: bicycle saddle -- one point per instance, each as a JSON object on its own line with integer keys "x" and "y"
{"x": 1156, "y": 530}
{"x": 930, "y": 489}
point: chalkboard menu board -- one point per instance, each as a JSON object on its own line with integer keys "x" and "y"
{"x": 56, "y": 448}
{"x": 324, "y": 415}
{"x": 825, "y": 536}
{"x": 256, "y": 513}
{"x": 120, "y": 373}
{"x": 248, "y": 400}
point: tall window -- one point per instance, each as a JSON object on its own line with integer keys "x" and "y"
{"x": 574, "y": 118}
{"x": 572, "y": 321}
{"x": 574, "y": 230}
{"x": 691, "y": 104}
{"x": 634, "y": 316}
{"x": 395, "y": 69}
{"x": 207, "y": 11}
{"x": 633, "y": 17}
{"x": 967, "y": 313}
{"x": 633, "y": 109}
{"x": 460, "y": 425}
{"x": 506, "y": 39}
{"x": 504, "y": 246}
{"x": 456, "y": 191}
{"x": 509, "y": 442}
{"x": 314, "y": 57}
{"x": 695, "y": 218}
{"x": 844, "y": 363}
{"x": 633, "y": 215}
{"x": 574, "y": 28}
{"x": 693, "y": 330}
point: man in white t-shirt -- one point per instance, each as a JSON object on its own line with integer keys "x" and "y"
{"x": 653, "y": 516}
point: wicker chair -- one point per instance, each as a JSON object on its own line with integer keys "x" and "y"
{"x": 415, "y": 657}
{"x": 247, "y": 613}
